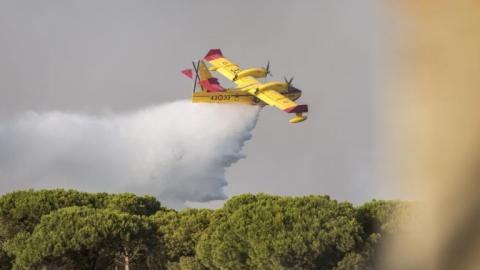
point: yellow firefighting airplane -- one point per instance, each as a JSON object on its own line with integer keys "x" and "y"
{"x": 248, "y": 91}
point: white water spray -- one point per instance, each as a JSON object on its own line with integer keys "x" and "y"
{"x": 177, "y": 152}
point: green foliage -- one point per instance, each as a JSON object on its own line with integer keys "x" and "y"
{"x": 4, "y": 259}
{"x": 181, "y": 231}
{"x": 186, "y": 263}
{"x": 67, "y": 229}
{"x": 380, "y": 219}
{"x": 352, "y": 261}
{"x": 380, "y": 216}
{"x": 133, "y": 204}
{"x": 22, "y": 210}
{"x": 84, "y": 238}
{"x": 272, "y": 232}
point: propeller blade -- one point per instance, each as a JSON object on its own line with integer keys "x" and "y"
{"x": 288, "y": 82}
{"x": 267, "y": 68}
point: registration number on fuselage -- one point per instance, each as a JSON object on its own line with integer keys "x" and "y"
{"x": 221, "y": 97}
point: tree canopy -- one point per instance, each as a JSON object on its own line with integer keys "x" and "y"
{"x": 67, "y": 229}
{"x": 84, "y": 238}
{"x": 272, "y": 232}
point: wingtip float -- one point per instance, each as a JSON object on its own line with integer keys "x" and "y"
{"x": 248, "y": 90}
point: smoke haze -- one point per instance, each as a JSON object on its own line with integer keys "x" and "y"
{"x": 177, "y": 152}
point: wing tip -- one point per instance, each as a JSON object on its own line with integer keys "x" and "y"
{"x": 213, "y": 54}
{"x": 298, "y": 119}
{"x": 297, "y": 109}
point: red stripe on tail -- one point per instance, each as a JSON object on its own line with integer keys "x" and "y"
{"x": 211, "y": 85}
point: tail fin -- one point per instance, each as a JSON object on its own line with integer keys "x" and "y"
{"x": 206, "y": 81}
{"x": 203, "y": 72}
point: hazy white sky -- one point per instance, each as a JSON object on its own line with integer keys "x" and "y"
{"x": 96, "y": 56}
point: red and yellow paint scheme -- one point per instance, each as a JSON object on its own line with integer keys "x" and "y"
{"x": 248, "y": 90}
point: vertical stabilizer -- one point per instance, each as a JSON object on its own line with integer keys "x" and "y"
{"x": 203, "y": 71}
{"x": 207, "y": 82}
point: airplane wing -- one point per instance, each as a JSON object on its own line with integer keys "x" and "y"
{"x": 232, "y": 71}
{"x": 273, "y": 98}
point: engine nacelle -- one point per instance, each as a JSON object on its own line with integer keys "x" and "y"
{"x": 253, "y": 72}
{"x": 276, "y": 86}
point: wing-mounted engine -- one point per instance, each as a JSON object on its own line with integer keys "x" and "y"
{"x": 253, "y": 72}
{"x": 276, "y": 86}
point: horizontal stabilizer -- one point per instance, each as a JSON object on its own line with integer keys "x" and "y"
{"x": 188, "y": 73}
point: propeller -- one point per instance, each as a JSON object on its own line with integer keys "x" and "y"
{"x": 289, "y": 82}
{"x": 267, "y": 68}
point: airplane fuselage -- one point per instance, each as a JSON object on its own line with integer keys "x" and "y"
{"x": 237, "y": 96}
